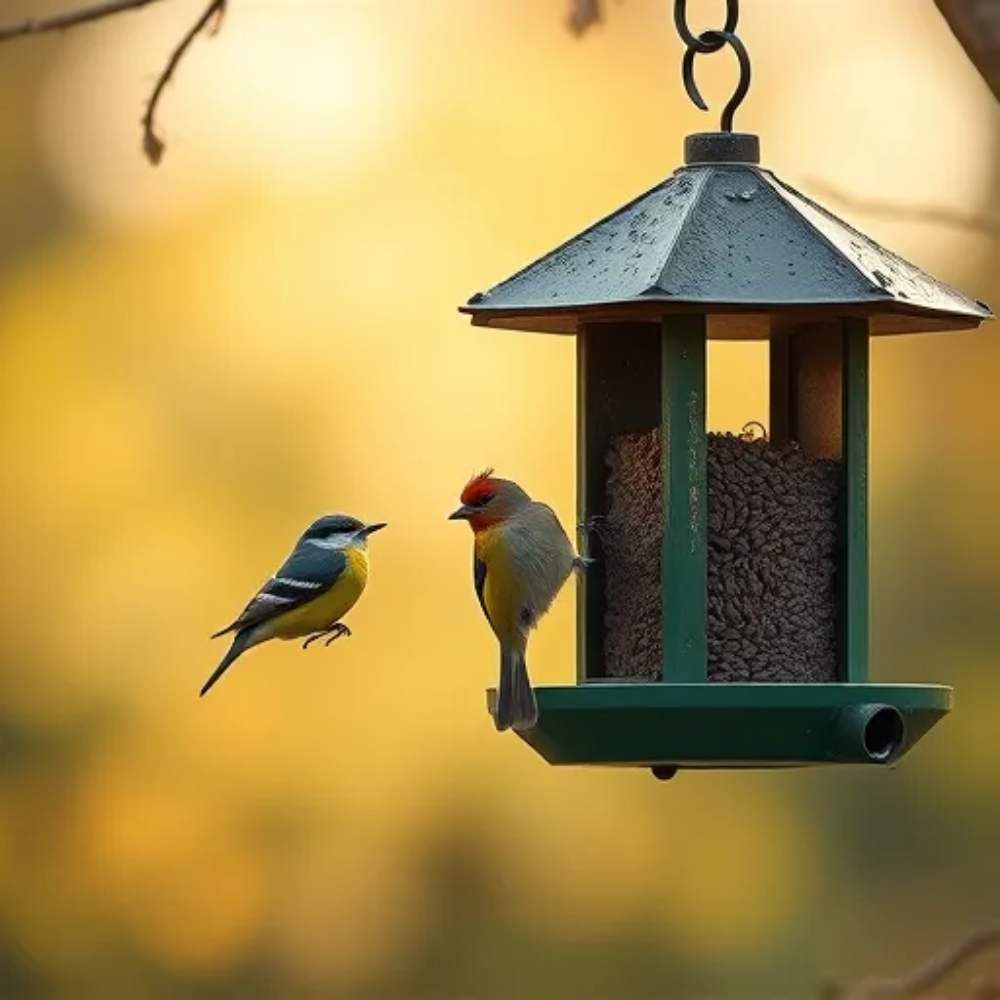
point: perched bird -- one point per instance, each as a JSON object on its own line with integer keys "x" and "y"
{"x": 521, "y": 559}
{"x": 316, "y": 586}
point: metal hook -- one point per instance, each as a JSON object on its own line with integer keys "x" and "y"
{"x": 717, "y": 39}
{"x": 747, "y": 431}
{"x": 702, "y": 43}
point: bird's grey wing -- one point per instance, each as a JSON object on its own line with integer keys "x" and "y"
{"x": 479, "y": 576}
{"x": 305, "y": 574}
{"x": 546, "y": 555}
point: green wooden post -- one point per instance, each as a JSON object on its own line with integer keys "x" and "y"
{"x": 854, "y": 551}
{"x": 683, "y": 576}
{"x": 587, "y": 654}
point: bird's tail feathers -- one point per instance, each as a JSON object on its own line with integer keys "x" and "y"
{"x": 223, "y": 631}
{"x": 516, "y": 706}
{"x": 241, "y": 643}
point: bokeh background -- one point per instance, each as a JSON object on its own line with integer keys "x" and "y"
{"x": 198, "y": 359}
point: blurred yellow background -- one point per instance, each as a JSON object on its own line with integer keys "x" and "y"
{"x": 198, "y": 359}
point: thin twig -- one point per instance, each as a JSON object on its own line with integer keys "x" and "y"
{"x": 924, "y": 977}
{"x": 990, "y": 226}
{"x": 976, "y": 25}
{"x": 70, "y": 19}
{"x": 582, "y": 15}
{"x": 152, "y": 144}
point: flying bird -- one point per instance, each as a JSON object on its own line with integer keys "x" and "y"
{"x": 521, "y": 559}
{"x": 316, "y": 586}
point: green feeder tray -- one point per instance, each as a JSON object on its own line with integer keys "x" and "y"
{"x": 666, "y": 726}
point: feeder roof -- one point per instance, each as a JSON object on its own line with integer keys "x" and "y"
{"x": 725, "y": 238}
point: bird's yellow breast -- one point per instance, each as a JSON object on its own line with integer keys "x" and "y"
{"x": 503, "y": 594}
{"x": 320, "y": 613}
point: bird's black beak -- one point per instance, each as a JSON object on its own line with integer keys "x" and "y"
{"x": 462, "y": 514}
{"x": 370, "y": 529}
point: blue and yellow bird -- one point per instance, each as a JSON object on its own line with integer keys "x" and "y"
{"x": 316, "y": 586}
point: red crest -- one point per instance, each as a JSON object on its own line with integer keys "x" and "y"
{"x": 478, "y": 488}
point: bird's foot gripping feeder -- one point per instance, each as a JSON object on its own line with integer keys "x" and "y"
{"x": 724, "y": 620}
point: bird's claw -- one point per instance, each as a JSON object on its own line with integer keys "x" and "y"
{"x": 333, "y": 632}
{"x": 592, "y": 526}
{"x": 336, "y": 632}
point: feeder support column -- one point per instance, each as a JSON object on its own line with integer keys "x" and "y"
{"x": 854, "y": 553}
{"x": 683, "y": 574}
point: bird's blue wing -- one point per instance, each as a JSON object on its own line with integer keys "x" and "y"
{"x": 305, "y": 574}
{"x": 310, "y": 567}
{"x": 479, "y": 576}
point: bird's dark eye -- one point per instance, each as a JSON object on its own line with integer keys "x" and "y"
{"x": 483, "y": 500}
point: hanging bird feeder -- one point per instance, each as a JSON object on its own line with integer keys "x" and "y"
{"x": 724, "y": 622}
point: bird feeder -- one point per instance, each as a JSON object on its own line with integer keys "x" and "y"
{"x": 724, "y": 621}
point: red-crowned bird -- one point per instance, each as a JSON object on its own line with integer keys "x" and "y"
{"x": 521, "y": 559}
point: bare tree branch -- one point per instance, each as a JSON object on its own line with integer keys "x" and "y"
{"x": 152, "y": 144}
{"x": 924, "y": 977}
{"x": 988, "y": 225}
{"x": 976, "y": 25}
{"x": 70, "y": 19}
{"x": 583, "y": 14}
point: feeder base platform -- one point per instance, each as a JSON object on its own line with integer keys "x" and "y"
{"x": 731, "y": 725}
